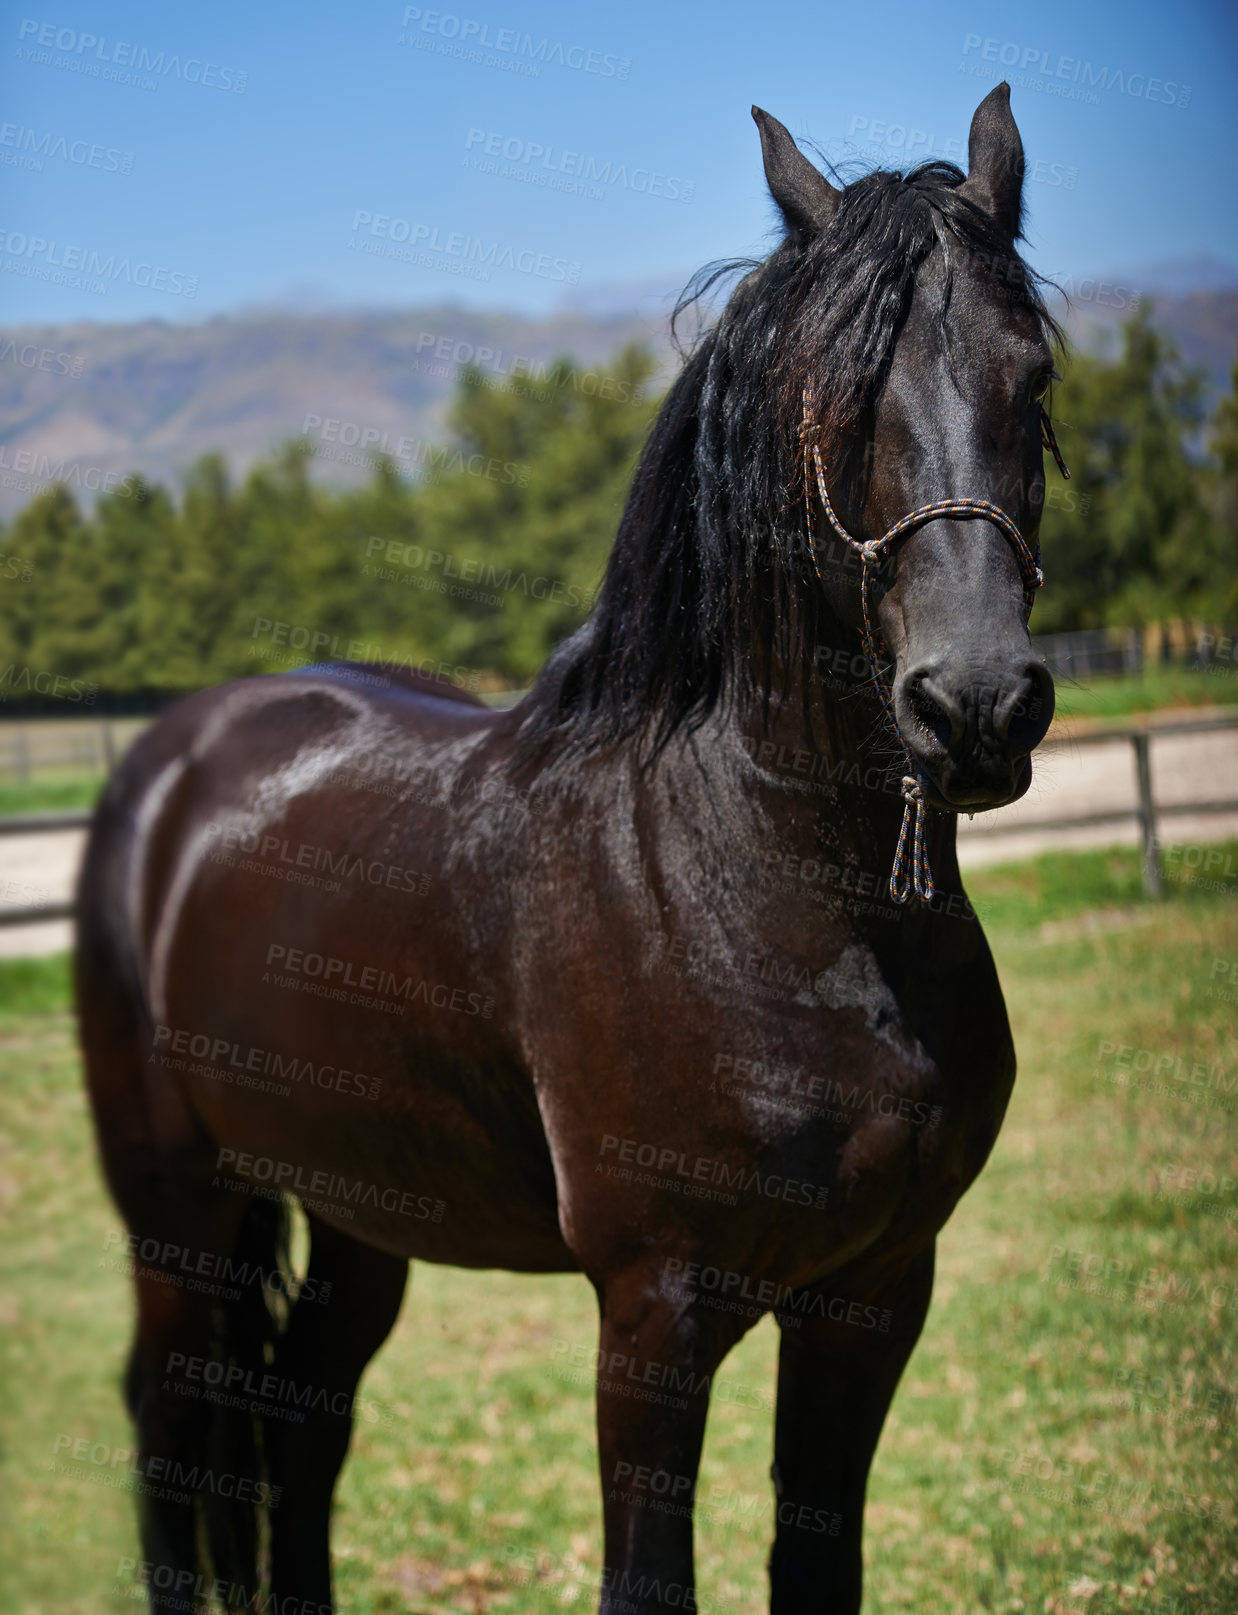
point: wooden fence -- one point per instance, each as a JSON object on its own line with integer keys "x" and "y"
{"x": 1145, "y": 809}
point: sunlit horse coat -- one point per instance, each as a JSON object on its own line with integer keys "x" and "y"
{"x": 667, "y": 1018}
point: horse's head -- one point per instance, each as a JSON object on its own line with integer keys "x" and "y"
{"x": 924, "y": 349}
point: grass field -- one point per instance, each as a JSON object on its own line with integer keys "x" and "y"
{"x": 1115, "y": 696}
{"x": 1063, "y": 1441}
{"x": 52, "y": 794}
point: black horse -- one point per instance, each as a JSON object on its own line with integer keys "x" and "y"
{"x": 613, "y": 982}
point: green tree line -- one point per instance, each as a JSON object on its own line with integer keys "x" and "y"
{"x": 481, "y": 566}
{"x": 1146, "y": 528}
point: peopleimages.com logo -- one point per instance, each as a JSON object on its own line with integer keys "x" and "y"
{"x": 87, "y": 268}
{"x": 1067, "y": 76}
{"x": 24, "y": 147}
{"x": 467, "y": 38}
{"x": 120, "y": 60}
{"x": 470, "y": 253}
{"x": 534, "y": 162}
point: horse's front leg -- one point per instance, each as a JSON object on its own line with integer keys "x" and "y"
{"x": 656, "y": 1362}
{"x": 843, "y": 1350}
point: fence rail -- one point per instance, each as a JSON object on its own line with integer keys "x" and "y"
{"x": 19, "y": 824}
{"x": 28, "y": 913}
{"x": 1145, "y": 810}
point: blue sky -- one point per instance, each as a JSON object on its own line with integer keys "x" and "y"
{"x": 514, "y": 153}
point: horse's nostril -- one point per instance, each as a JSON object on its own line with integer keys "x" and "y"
{"x": 1025, "y": 715}
{"x": 935, "y": 709}
{"x": 1015, "y": 703}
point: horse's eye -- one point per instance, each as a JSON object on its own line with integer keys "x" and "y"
{"x": 1040, "y": 384}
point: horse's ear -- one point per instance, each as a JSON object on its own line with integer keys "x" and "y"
{"x": 806, "y": 197}
{"x": 995, "y": 162}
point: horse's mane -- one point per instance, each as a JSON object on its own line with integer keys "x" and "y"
{"x": 706, "y": 590}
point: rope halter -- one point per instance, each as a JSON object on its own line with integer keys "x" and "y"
{"x": 911, "y": 871}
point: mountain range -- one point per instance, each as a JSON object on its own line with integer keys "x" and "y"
{"x": 89, "y": 403}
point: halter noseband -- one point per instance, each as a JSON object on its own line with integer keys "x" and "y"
{"x": 914, "y": 875}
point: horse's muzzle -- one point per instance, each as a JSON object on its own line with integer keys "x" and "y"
{"x": 971, "y": 729}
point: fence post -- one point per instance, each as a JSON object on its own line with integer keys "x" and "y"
{"x": 1132, "y": 656}
{"x": 21, "y": 755}
{"x": 1147, "y": 815}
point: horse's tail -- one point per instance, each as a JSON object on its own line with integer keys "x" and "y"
{"x": 236, "y": 1504}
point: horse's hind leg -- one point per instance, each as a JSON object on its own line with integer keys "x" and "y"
{"x": 348, "y": 1305}
{"x": 178, "y": 1333}
{"x": 156, "y": 1163}
{"x": 838, "y": 1368}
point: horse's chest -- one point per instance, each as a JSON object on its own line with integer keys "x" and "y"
{"x": 892, "y": 1135}
{"x": 901, "y": 1170}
